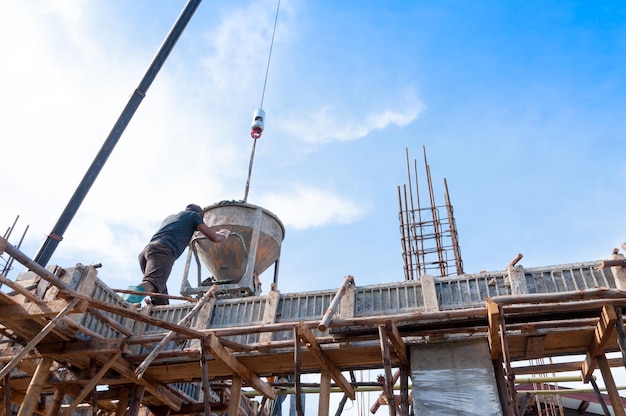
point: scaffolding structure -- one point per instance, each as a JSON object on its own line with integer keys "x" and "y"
{"x": 70, "y": 344}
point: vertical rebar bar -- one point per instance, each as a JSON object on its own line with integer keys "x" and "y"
{"x": 453, "y": 232}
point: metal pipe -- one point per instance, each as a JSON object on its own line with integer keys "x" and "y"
{"x": 56, "y": 235}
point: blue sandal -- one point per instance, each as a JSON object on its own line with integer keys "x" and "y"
{"x": 134, "y": 298}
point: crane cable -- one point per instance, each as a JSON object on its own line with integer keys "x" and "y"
{"x": 258, "y": 118}
{"x": 269, "y": 57}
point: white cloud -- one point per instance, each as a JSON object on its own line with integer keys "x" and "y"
{"x": 307, "y": 206}
{"x": 330, "y": 124}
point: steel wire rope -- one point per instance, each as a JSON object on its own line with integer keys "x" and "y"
{"x": 267, "y": 70}
{"x": 269, "y": 56}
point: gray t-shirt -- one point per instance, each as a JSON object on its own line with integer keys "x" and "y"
{"x": 177, "y": 229}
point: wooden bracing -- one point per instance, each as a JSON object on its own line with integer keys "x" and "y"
{"x": 45, "y": 359}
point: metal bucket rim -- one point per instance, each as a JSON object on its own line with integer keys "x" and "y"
{"x": 246, "y": 205}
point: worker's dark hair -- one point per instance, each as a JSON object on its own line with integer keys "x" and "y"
{"x": 194, "y": 207}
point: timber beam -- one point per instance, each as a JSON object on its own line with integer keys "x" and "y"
{"x": 494, "y": 311}
{"x": 17, "y": 312}
{"x": 307, "y": 336}
{"x": 152, "y": 386}
{"x": 221, "y": 354}
{"x": 396, "y": 341}
{"x": 603, "y": 332}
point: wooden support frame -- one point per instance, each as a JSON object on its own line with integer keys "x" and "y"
{"x": 206, "y": 388}
{"x": 141, "y": 368}
{"x": 35, "y": 387}
{"x": 509, "y": 375}
{"x": 6, "y": 395}
{"x": 603, "y": 332}
{"x": 307, "y": 335}
{"x": 41, "y": 335}
{"x": 404, "y": 390}
{"x": 621, "y": 336}
{"x": 269, "y": 313}
{"x": 18, "y": 312}
{"x": 297, "y": 370}
{"x": 396, "y": 341}
{"x": 235, "y": 396}
{"x": 135, "y": 400}
{"x": 57, "y": 400}
{"x": 609, "y": 382}
{"x": 323, "y": 408}
{"x": 92, "y": 384}
{"x": 147, "y": 383}
{"x": 388, "y": 382}
{"x": 220, "y": 353}
{"x": 123, "y": 402}
{"x": 495, "y": 346}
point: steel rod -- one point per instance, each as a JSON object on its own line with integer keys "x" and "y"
{"x": 56, "y": 235}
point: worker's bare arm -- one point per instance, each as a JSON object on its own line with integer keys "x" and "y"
{"x": 216, "y": 237}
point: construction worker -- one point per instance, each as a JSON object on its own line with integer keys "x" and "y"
{"x": 165, "y": 246}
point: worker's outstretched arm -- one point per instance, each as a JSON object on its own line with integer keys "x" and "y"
{"x": 216, "y": 237}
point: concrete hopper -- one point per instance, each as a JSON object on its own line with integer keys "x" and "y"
{"x": 253, "y": 246}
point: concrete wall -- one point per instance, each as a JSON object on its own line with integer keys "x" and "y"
{"x": 455, "y": 378}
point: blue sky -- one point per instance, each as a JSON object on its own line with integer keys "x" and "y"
{"x": 520, "y": 105}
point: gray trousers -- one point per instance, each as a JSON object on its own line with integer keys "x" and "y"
{"x": 156, "y": 261}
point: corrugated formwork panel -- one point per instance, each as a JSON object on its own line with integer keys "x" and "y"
{"x": 239, "y": 312}
{"x": 400, "y": 297}
{"x": 470, "y": 290}
{"x": 308, "y": 306}
{"x": 568, "y": 277}
{"x": 104, "y": 293}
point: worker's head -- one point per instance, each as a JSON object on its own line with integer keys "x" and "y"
{"x": 196, "y": 208}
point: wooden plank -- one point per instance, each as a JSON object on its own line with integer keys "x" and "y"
{"x": 604, "y": 331}
{"x": 33, "y": 343}
{"x": 235, "y": 396}
{"x": 9, "y": 313}
{"x": 148, "y": 383}
{"x": 269, "y": 314}
{"x": 535, "y": 346}
{"x": 323, "y": 408}
{"x": 621, "y": 336}
{"x": 397, "y": 342}
{"x": 297, "y": 370}
{"x": 6, "y": 395}
{"x": 93, "y": 347}
{"x": 307, "y": 335}
{"x": 122, "y": 404}
{"x": 92, "y": 384}
{"x": 31, "y": 400}
{"x": 136, "y": 399}
{"x": 404, "y": 390}
{"x": 493, "y": 311}
{"x": 54, "y": 407}
{"x": 388, "y": 382}
{"x": 221, "y": 354}
{"x": 186, "y": 320}
{"x": 609, "y": 382}
{"x": 206, "y": 388}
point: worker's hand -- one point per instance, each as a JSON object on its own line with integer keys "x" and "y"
{"x": 224, "y": 232}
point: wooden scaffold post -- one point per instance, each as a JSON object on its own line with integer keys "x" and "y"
{"x": 35, "y": 387}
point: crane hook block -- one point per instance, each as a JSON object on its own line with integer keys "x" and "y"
{"x": 257, "y": 123}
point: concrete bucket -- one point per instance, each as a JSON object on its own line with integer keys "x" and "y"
{"x": 253, "y": 246}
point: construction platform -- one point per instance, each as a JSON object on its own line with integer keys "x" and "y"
{"x": 70, "y": 342}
